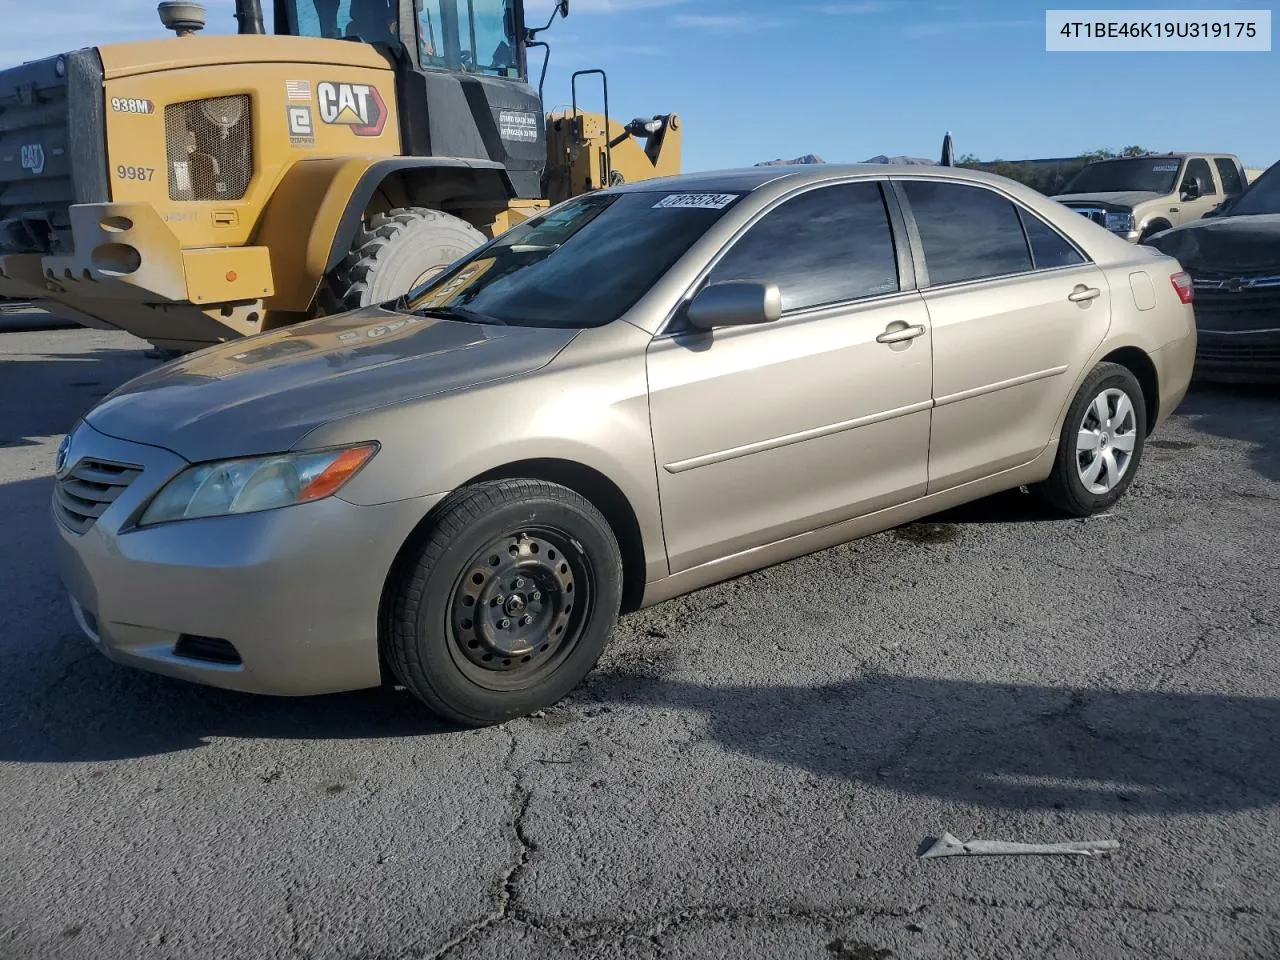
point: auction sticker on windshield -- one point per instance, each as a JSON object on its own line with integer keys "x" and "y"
{"x": 699, "y": 201}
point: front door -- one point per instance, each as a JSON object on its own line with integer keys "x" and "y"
{"x": 1016, "y": 312}
{"x": 768, "y": 431}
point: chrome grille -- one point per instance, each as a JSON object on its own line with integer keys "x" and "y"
{"x": 1232, "y": 304}
{"x": 210, "y": 148}
{"x": 84, "y": 494}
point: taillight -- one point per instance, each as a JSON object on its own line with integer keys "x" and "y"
{"x": 1182, "y": 284}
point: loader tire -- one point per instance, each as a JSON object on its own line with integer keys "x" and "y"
{"x": 392, "y": 253}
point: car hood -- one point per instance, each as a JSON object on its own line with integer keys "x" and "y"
{"x": 1236, "y": 246}
{"x": 263, "y": 394}
{"x": 1123, "y": 199}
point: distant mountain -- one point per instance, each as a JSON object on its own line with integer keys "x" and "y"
{"x": 910, "y": 161}
{"x": 807, "y": 158}
{"x": 882, "y": 158}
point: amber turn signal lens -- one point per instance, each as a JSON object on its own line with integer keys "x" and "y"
{"x": 337, "y": 473}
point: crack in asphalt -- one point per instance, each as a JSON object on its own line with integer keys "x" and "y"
{"x": 506, "y": 910}
{"x": 1040, "y": 903}
{"x": 295, "y": 936}
{"x": 1168, "y": 670}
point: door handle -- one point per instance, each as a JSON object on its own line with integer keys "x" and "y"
{"x": 900, "y": 333}
{"x": 1082, "y": 293}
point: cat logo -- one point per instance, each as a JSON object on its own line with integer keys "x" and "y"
{"x": 355, "y": 105}
{"x": 33, "y": 158}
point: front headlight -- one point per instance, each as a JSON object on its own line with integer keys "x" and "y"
{"x": 1120, "y": 222}
{"x": 253, "y": 484}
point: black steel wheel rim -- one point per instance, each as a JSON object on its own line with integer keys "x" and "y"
{"x": 519, "y": 608}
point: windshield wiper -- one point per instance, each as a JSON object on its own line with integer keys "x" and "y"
{"x": 459, "y": 313}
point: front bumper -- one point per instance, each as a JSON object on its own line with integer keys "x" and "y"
{"x": 296, "y": 591}
{"x": 1247, "y": 357}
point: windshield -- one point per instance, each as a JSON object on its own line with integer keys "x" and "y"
{"x": 473, "y": 36}
{"x": 1262, "y": 196}
{"x": 1154, "y": 174}
{"x": 583, "y": 264}
{"x": 368, "y": 20}
{"x": 469, "y": 36}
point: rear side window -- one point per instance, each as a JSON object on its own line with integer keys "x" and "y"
{"x": 1048, "y": 247}
{"x": 968, "y": 232}
{"x": 827, "y": 245}
{"x": 1198, "y": 170}
{"x": 1230, "y": 176}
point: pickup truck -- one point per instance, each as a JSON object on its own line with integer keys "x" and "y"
{"x": 1135, "y": 197}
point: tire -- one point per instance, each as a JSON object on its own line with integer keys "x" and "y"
{"x": 1066, "y": 488}
{"x": 542, "y": 552}
{"x": 1151, "y": 229}
{"x": 394, "y": 252}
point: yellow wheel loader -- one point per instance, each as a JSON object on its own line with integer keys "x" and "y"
{"x": 197, "y": 188}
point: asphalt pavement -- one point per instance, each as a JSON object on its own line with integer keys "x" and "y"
{"x": 752, "y": 770}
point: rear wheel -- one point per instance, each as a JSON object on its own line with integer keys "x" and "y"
{"x": 508, "y": 602}
{"x": 392, "y": 253}
{"x": 1103, "y": 437}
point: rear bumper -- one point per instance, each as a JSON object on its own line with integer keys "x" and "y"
{"x": 293, "y": 593}
{"x": 1174, "y": 363}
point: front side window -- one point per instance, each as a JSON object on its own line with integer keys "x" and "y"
{"x": 471, "y": 36}
{"x": 824, "y": 246}
{"x": 1143, "y": 174}
{"x": 583, "y": 264}
{"x": 373, "y": 21}
{"x": 1198, "y": 170}
{"x": 968, "y": 232}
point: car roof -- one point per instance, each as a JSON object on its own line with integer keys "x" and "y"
{"x": 752, "y": 178}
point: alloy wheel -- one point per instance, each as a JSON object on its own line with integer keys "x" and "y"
{"x": 1106, "y": 439}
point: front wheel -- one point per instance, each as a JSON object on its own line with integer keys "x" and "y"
{"x": 1102, "y": 441}
{"x": 508, "y": 602}
{"x": 392, "y": 253}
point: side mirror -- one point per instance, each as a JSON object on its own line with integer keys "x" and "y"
{"x": 735, "y": 303}
{"x": 1190, "y": 190}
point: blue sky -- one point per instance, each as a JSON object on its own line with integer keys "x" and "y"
{"x": 845, "y": 79}
{"x": 755, "y": 80}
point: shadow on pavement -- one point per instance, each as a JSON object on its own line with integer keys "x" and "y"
{"x": 42, "y": 395}
{"x": 1015, "y": 746}
{"x": 61, "y": 701}
{"x": 1250, "y": 414}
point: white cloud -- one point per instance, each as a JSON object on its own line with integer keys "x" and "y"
{"x": 852, "y": 8}
{"x": 726, "y": 23}
{"x": 940, "y": 27}
{"x": 542, "y": 9}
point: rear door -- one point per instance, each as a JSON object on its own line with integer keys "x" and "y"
{"x": 1016, "y": 311}
{"x": 768, "y": 431}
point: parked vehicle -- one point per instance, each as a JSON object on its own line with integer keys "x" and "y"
{"x": 1135, "y": 197}
{"x": 640, "y": 392}
{"x": 1234, "y": 261}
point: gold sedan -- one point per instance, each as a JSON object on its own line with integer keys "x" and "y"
{"x": 640, "y": 392}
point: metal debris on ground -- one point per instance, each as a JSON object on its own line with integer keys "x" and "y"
{"x": 949, "y": 846}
